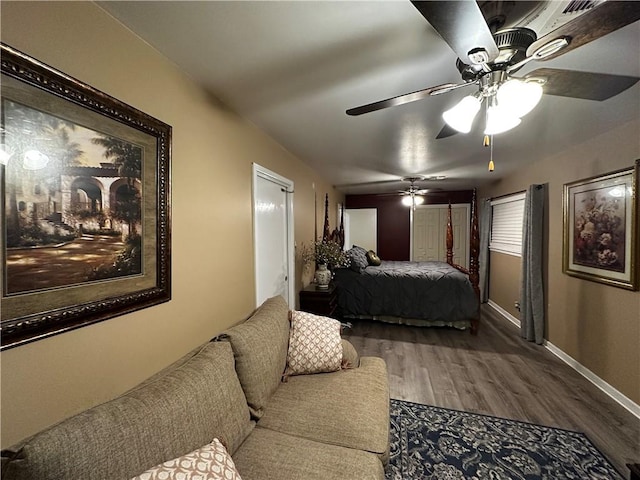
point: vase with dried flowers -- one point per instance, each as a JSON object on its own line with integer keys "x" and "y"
{"x": 326, "y": 254}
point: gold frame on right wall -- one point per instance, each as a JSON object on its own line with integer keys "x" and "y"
{"x": 600, "y": 233}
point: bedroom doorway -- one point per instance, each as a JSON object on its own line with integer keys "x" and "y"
{"x": 273, "y": 235}
{"x": 428, "y": 233}
{"x": 361, "y": 228}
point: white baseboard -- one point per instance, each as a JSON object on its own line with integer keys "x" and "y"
{"x": 616, "y": 395}
{"x": 504, "y": 313}
{"x": 619, "y": 397}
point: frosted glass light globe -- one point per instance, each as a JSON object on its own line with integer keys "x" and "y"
{"x": 462, "y": 114}
{"x": 519, "y": 97}
{"x": 500, "y": 120}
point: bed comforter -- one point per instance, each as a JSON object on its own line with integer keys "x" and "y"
{"x": 432, "y": 291}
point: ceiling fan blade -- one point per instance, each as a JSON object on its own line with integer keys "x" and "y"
{"x": 449, "y": 87}
{"x": 446, "y": 132}
{"x": 587, "y": 85}
{"x": 597, "y": 22}
{"x": 399, "y": 100}
{"x": 462, "y": 25}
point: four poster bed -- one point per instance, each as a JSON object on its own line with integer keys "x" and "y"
{"x": 411, "y": 293}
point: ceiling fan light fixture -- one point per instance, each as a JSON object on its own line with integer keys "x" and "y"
{"x": 412, "y": 200}
{"x": 500, "y": 120}
{"x": 519, "y": 97}
{"x": 461, "y": 116}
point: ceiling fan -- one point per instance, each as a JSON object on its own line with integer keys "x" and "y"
{"x": 412, "y": 179}
{"x": 488, "y": 55}
{"x": 412, "y": 195}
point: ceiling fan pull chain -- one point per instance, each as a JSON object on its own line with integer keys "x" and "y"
{"x": 490, "y": 140}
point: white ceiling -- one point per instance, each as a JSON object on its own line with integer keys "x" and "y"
{"x": 293, "y": 68}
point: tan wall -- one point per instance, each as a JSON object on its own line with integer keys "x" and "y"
{"x": 596, "y": 324}
{"x": 504, "y": 285}
{"x": 212, "y": 259}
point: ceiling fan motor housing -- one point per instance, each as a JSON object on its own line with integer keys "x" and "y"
{"x": 512, "y": 44}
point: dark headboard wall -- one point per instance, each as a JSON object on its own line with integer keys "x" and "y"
{"x": 394, "y": 218}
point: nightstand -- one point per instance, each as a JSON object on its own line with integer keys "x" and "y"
{"x": 321, "y": 301}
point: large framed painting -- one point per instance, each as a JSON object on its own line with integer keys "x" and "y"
{"x": 601, "y": 228}
{"x": 85, "y": 201}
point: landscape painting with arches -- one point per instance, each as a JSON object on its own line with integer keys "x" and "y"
{"x": 73, "y": 202}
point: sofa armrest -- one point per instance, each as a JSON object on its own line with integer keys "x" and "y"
{"x": 350, "y": 357}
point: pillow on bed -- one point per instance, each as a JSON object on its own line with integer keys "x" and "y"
{"x": 315, "y": 345}
{"x": 359, "y": 249}
{"x": 373, "y": 259}
{"x": 358, "y": 256}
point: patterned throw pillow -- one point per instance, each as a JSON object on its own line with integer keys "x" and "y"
{"x": 211, "y": 462}
{"x": 315, "y": 345}
{"x": 358, "y": 257}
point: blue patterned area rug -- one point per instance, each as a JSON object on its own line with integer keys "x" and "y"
{"x": 435, "y": 443}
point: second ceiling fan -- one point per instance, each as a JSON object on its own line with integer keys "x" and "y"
{"x": 488, "y": 55}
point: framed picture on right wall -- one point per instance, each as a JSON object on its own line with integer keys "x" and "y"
{"x": 601, "y": 228}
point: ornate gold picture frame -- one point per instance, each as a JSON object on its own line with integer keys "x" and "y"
{"x": 601, "y": 228}
{"x": 85, "y": 204}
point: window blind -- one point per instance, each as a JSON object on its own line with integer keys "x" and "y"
{"x": 506, "y": 224}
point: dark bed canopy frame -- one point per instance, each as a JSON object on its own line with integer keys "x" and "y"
{"x": 337, "y": 235}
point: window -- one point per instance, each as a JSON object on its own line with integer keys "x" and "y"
{"x": 506, "y": 224}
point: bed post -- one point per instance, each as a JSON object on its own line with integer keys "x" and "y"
{"x": 449, "y": 236}
{"x": 326, "y": 234}
{"x": 341, "y": 229}
{"x": 474, "y": 250}
{"x": 474, "y": 267}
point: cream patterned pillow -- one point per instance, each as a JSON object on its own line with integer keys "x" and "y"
{"x": 211, "y": 462}
{"x": 315, "y": 345}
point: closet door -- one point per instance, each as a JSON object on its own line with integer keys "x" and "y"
{"x": 430, "y": 229}
{"x": 426, "y": 234}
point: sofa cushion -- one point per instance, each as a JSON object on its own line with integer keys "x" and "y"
{"x": 176, "y": 414}
{"x": 270, "y": 455}
{"x": 211, "y": 462}
{"x": 314, "y": 344}
{"x": 349, "y": 408}
{"x": 260, "y": 350}
{"x": 350, "y": 357}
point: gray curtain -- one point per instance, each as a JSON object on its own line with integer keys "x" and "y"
{"x": 531, "y": 292}
{"x": 483, "y": 255}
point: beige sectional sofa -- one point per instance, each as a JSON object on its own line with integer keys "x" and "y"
{"x": 321, "y": 426}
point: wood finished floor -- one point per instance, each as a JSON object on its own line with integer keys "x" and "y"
{"x": 498, "y": 373}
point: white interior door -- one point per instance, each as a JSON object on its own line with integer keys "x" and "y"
{"x": 426, "y": 235}
{"x": 429, "y": 232}
{"x": 273, "y": 235}
{"x": 361, "y": 228}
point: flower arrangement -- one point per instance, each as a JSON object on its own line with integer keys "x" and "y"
{"x": 599, "y": 233}
{"x": 325, "y": 252}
